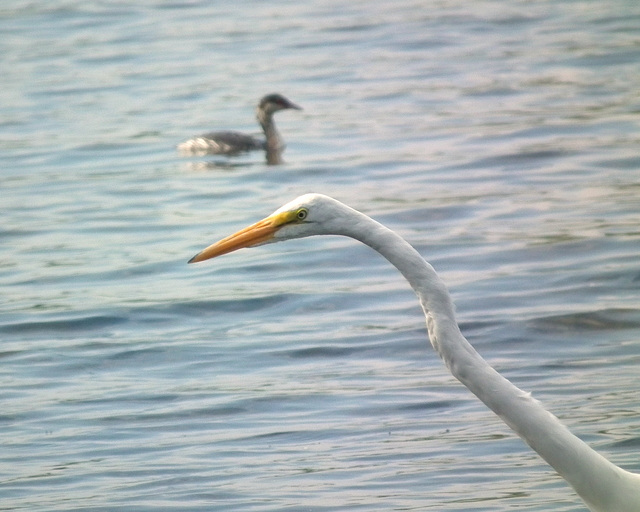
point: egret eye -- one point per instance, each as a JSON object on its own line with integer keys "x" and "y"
{"x": 302, "y": 214}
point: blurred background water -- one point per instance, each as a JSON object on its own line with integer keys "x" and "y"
{"x": 500, "y": 138}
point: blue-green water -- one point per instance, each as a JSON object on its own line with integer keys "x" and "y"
{"x": 500, "y": 138}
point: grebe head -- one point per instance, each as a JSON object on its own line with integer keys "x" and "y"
{"x": 273, "y": 102}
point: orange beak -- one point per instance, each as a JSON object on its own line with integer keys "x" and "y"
{"x": 256, "y": 234}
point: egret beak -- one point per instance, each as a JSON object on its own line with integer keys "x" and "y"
{"x": 259, "y": 233}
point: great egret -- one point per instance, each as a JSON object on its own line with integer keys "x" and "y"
{"x": 235, "y": 143}
{"x": 603, "y": 486}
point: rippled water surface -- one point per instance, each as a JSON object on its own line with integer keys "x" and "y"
{"x": 500, "y": 138}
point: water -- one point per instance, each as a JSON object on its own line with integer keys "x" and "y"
{"x": 500, "y": 138}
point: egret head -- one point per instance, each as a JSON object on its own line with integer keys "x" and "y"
{"x": 308, "y": 215}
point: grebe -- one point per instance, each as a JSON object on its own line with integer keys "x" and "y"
{"x": 235, "y": 143}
